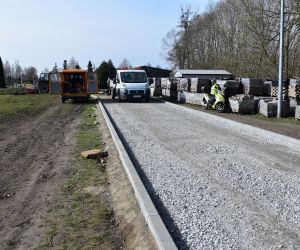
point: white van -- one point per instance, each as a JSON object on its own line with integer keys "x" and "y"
{"x": 130, "y": 85}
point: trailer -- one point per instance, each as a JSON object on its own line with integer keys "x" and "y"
{"x": 76, "y": 84}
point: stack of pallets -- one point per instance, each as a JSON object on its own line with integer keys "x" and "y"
{"x": 229, "y": 87}
{"x": 198, "y": 84}
{"x": 165, "y": 83}
{"x": 183, "y": 85}
{"x": 274, "y": 90}
{"x": 157, "y": 87}
{"x": 294, "y": 88}
{"x": 267, "y": 91}
{"x": 252, "y": 86}
{"x": 173, "y": 89}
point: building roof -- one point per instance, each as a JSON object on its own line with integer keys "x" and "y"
{"x": 180, "y": 72}
{"x": 156, "y": 72}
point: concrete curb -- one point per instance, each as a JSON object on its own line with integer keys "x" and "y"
{"x": 161, "y": 235}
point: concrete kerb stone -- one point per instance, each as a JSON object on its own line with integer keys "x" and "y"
{"x": 161, "y": 235}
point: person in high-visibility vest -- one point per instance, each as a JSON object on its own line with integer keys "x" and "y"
{"x": 213, "y": 91}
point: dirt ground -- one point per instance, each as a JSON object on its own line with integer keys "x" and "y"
{"x": 33, "y": 163}
{"x": 36, "y": 151}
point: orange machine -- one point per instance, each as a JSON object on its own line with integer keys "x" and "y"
{"x": 73, "y": 84}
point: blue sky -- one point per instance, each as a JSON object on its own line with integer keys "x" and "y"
{"x": 40, "y": 33}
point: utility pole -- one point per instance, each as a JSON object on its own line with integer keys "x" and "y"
{"x": 281, "y": 60}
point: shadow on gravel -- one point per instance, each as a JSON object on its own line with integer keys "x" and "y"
{"x": 163, "y": 212}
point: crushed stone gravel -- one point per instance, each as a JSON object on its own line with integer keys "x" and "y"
{"x": 217, "y": 184}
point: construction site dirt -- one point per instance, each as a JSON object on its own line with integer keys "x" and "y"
{"x": 36, "y": 159}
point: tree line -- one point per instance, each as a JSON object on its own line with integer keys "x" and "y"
{"x": 241, "y": 36}
{"x": 14, "y": 73}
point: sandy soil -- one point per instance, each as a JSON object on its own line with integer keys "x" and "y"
{"x": 33, "y": 164}
{"x": 35, "y": 161}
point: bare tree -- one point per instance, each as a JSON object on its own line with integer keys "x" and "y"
{"x": 124, "y": 63}
{"x": 72, "y": 63}
{"x": 241, "y": 36}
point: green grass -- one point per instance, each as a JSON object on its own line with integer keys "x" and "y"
{"x": 291, "y": 120}
{"x": 11, "y": 105}
{"x": 83, "y": 220}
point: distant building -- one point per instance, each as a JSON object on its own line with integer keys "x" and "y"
{"x": 153, "y": 72}
{"x": 203, "y": 73}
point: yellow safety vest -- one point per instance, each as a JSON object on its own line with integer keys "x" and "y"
{"x": 214, "y": 89}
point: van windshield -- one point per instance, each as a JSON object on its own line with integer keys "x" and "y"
{"x": 133, "y": 77}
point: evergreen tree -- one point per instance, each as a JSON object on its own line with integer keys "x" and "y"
{"x": 65, "y": 65}
{"x": 55, "y": 69}
{"x": 90, "y": 67}
{"x": 2, "y": 78}
{"x": 102, "y": 75}
{"x": 77, "y": 66}
{"x": 111, "y": 69}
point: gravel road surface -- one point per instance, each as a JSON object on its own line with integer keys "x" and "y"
{"x": 217, "y": 184}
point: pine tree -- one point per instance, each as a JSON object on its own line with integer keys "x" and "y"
{"x": 111, "y": 69}
{"x": 55, "y": 69}
{"x": 90, "y": 67}
{"x": 65, "y": 65}
{"x": 2, "y": 78}
{"x": 77, "y": 66}
{"x": 102, "y": 75}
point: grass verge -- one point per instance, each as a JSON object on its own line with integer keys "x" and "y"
{"x": 81, "y": 217}
{"x": 22, "y": 105}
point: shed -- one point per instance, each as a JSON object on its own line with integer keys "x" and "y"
{"x": 156, "y": 72}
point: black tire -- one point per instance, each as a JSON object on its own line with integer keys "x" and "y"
{"x": 220, "y": 107}
{"x": 147, "y": 99}
{"x": 43, "y": 87}
{"x": 113, "y": 94}
{"x": 63, "y": 100}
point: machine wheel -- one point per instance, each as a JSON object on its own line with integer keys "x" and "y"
{"x": 220, "y": 107}
{"x": 43, "y": 87}
{"x": 63, "y": 100}
{"x": 113, "y": 94}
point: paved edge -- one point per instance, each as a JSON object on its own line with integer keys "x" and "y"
{"x": 157, "y": 227}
